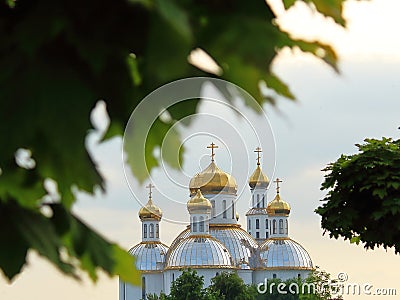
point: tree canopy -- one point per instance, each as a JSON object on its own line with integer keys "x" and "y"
{"x": 59, "y": 58}
{"x": 231, "y": 287}
{"x": 363, "y": 199}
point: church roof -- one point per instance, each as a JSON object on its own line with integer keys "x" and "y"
{"x": 199, "y": 252}
{"x": 212, "y": 180}
{"x": 240, "y": 244}
{"x": 150, "y": 256}
{"x": 258, "y": 179}
{"x": 284, "y": 253}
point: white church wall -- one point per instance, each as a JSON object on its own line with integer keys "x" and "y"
{"x": 262, "y": 275}
{"x": 246, "y": 275}
{"x": 153, "y": 284}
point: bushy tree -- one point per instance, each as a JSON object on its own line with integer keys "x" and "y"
{"x": 231, "y": 287}
{"x": 363, "y": 199}
{"x": 188, "y": 286}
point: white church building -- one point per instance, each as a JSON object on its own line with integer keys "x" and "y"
{"x": 214, "y": 242}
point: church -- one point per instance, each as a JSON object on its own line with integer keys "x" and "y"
{"x": 214, "y": 242}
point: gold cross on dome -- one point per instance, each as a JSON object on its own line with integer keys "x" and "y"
{"x": 212, "y": 147}
{"x": 277, "y": 181}
{"x": 258, "y": 150}
{"x": 150, "y": 186}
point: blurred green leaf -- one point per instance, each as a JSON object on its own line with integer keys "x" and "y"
{"x": 58, "y": 58}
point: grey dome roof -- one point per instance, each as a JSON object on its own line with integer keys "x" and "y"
{"x": 240, "y": 244}
{"x": 257, "y": 211}
{"x": 284, "y": 254}
{"x": 199, "y": 252}
{"x": 150, "y": 256}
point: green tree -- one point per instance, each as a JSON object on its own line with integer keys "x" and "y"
{"x": 58, "y": 58}
{"x": 188, "y": 286}
{"x": 231, "y": 287}
{"x": 363, "y": 199}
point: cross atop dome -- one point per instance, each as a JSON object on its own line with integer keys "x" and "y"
{"x": 277, "y": 181}
{"x": 150, "y": 186}
{"x": 258, "y": 150}
{"x": 212, "y": 146}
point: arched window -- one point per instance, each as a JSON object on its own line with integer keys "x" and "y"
{"x": 273, "y": 275}
{"x": 274, "y": 226}
{"x": 213, "y": 208}
{"x": 233, "y": 209}
{"x": 263, "y": 201}
{"x": 257, "y": 235}
{"x": 173, "y": 276}
{"x": 257, "y": 224}
{"x": 258, "y": 201}
{"x": 287, "y": 227}
{"x": 224, "y": 209}
{"x": 201, "y": 227}
{"x": 266, "y": 224}
{"x": 145, "y": 231}
{"x": 143, "y": 287}
{"x": 151, "y": 231}
{"x": 249, "y": 227}
{"x": 194, "y": 224}
{"x": 266, "y": 234}
{"x": 157, "y": 231}
{"x": 280, "y": 226}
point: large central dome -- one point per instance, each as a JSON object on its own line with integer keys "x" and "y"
{"x": 239, "y": 243}
{"x": 199, "y": 252}
{"x": 212, "y": 180}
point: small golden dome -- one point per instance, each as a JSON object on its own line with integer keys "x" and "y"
{"x": 150, "y": 211}
{"x": 198, "y": 203}
{"x": 212, "y": 180}
{"x": 258, "y": 179}
{"x": 278, "y": 206}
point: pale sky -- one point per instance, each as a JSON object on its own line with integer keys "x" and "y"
{"x": 333, "y": 113}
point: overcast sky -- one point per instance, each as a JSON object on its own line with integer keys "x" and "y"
{"x": 333, "y": 113}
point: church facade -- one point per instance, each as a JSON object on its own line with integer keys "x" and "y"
{"x": 214, "y": 242}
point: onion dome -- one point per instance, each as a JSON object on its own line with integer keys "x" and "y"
{"x": 284, "y": 254}
{"x": 240, "y": 244}
{"x": 258, "y": 179}
{"x": 199, "y": 252}
{"x": 150, "y": 211}
{"x": 198, "y": 203}
{"x": 149, "y": 256}
{"x": 278, "y": 207}
{"x": 212, "y": 180}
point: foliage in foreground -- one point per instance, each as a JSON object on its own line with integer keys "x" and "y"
{"x": 59, "y": 58}
{"x": 363, "y": 200}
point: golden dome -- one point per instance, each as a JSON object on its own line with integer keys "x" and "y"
{"x": 258, "y": 178}
{"x": 198, "y": 202}
{"x": 212, "y": 180}
{"x": 278, "y": 206}
{"x": 150, "y": 211}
